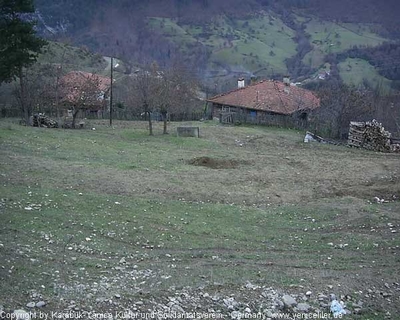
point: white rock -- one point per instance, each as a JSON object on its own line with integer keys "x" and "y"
{"x": 279, "y": 304}
{"x": 308, "y": 293}
{"x": 30, "y": 305}
{"x": 303, "y": 307}
{"x": 289, "y": 301}
{"x": 230, "y": 302}
{"x": 40, "y": 304}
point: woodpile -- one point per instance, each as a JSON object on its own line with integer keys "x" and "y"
{"x": 371, "y": 135}
{"x": 40, "y": 120}
{"x": 395, "y": 145}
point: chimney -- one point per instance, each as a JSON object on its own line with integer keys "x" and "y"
{"x": 241, "y": 83}
{"x": 286, "y": 80}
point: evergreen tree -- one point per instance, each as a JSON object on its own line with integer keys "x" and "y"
{"x": 19, "y": 45}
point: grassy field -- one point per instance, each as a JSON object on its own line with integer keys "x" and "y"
{"x": 113, "y": 219}
{"x": 356, "y": 71}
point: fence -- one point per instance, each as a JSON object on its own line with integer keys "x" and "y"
{"x": 118, "y": 114}
{"x": 155, "y": 116}
{"x": 278, "y": 120}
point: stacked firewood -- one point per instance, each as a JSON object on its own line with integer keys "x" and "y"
{"x": 369, "y": 135}
{"x": 41, "y": 120}
{"x": 395, "y": 145}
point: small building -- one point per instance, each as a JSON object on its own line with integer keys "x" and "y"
{"x": 85, "y": 91}
{"x": 266, "y": 102}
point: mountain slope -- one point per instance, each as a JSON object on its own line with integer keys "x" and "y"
{"x": 220, "y": 39}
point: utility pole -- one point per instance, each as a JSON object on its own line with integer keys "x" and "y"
{"x": 111, "y": 90}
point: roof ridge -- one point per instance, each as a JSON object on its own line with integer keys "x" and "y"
{"x": 238, "y": 89}
{"x": 275, "y": 96}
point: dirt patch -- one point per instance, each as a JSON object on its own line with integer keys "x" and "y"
{"x": 215, "y": 163}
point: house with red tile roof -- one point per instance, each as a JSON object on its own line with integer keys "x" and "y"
{"x": 268, "y": 102}
{"x": 83, "y": 93}
{"x": 84, "y": 90}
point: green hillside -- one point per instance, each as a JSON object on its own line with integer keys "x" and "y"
{"x": 328, "y": 37}
{"x": 257, "y": 45}
{"x": 221, "y": 40}
{"x": 358, "y": 71}
{"x": 262, "y": 43}
{"x": 72, "y": 58}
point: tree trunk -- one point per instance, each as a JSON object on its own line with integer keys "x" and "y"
{"x": 164, "y": 116}
{"x": 24, "y": 107}
{"x": 150, "y": 123}
{"x": 74, "y": 118}
{"x": 58, "y": 100}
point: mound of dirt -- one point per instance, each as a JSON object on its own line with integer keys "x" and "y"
{"x": 214, "y": 163}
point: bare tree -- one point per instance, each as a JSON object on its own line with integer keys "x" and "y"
{"x": 165, "y": 91}
{"x": 39, "y": 95}
{"x": 59, "y": 74}
{"x": 339, "y": 105}
{"x": 175, "y": 89}
{"x": 143, "y": 94}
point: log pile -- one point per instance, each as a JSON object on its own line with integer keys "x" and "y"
{"x": 371, "y": 135}
{"x": 395, "y": 145}
{"x": 41, "y": 120}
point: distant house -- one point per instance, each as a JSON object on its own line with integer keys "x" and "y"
{"x": 84, "y": 91}
{"x": 323, "y": 75}
{"x": 265, "y": 102}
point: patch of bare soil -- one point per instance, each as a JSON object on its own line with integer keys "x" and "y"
{"x": 215, "y": 163}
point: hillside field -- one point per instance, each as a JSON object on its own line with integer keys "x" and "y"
{"x": 357, "y": 71}
{"x": 258, "y": 45}
{"x": 113, "y": 219}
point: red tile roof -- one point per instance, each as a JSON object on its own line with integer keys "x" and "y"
{"x": 75, "y": 81}
{"x": 269, "y": 95}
